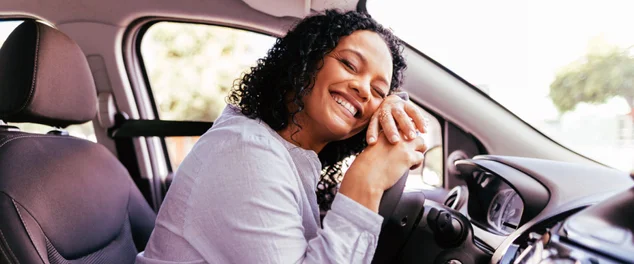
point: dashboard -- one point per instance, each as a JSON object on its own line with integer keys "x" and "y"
{"x": 505, "y": 211}
{"x": 494, "y": 205}
{"x": 515, "y": 203}
{"x": 516, "y": 210}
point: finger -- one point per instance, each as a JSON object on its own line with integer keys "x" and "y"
{"x": 389, "y": 126}
{"x": 392, "y": 99}
{"x": 418, "y": 160}
{"x": 415, "y": 159}
{"x": 419, "y": 144}
{"x": 417, "y": 116}
{"x": 405, "y": 124}
{"x": 373, "y": 130}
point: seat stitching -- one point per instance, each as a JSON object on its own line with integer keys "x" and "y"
{"x": 5, "y": 240}
{"x": 121, "y": 229}
{"x": 119, "y": 235}
{"x": 10, "y": 250}
{"x": 8, "y": 137}
{"x": 27, "y": 230}
{"x": 37, "y": 48}
{"x": 37, "y": 136}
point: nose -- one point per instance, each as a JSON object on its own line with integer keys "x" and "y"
{"x": 362, "y": 89}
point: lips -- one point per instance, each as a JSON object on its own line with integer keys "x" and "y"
{"x": 345, "y": 103}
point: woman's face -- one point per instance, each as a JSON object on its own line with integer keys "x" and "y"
{"x": 349, "y": 88}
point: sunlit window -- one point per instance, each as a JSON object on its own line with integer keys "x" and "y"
{"x": 191, "y": 69}
{"x": 565, "y": 67}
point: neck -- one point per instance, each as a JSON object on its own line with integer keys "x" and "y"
{"x": 302, "y": 138}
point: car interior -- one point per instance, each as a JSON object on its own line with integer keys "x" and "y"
{"x": 492, "y": 188}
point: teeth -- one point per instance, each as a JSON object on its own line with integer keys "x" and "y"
{"x": 345, "y": 104}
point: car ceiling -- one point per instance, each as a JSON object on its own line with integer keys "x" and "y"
{"x": 123, "y": 12}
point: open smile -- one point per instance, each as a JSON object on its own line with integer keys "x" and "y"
{"x": 345, "y": 104}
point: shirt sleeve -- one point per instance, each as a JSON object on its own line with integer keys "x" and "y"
{"x": 246, "y": 208}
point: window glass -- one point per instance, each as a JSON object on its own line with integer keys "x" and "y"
{"x": 85, "y": 131}
{"x": 191, "y": 69}
{"x": 565, "y": 67}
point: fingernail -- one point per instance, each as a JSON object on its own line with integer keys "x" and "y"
{"x": 395, "y": 138}
{"x": 412, "y": 134}
{"x": 371, "y": 140}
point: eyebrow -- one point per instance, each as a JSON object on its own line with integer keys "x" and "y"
{"x": 365, "y": 61}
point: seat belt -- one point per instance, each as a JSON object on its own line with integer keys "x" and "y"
{"x": 131, "y": 128}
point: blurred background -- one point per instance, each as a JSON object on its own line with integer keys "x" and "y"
{"x": 566, "y": 67}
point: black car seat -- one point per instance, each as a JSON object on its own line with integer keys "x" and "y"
{"x": 62, "y": 199}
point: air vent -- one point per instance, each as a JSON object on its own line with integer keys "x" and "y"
{"x": 451, "y": 162}
{"x": 451, "y": 200}
{"x": 456, "y": 197}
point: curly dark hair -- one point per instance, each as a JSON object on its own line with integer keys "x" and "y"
{"x": 290, "y": 68}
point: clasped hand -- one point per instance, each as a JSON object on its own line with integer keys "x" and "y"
{"x": 387, "y": 157}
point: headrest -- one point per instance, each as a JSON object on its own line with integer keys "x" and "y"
{"x": 45, "y": 78}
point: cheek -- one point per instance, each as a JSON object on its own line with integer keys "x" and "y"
{"x": 321, "y": 82}
{"x": 331, "y": 73}
{"x": 373, "y": 106}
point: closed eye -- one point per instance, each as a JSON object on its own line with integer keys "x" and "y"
{"x": 348, "y": 65}
{"x": 378, "y": 91}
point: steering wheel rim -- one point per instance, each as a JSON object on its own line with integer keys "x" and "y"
{"x": 400, "y": 212}
{"x": 391, "y": 197}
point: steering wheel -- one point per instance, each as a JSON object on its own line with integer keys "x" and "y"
{"x": 391, "y": 197}
{"x": 400, "y": 213}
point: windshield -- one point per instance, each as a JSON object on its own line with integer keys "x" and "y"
{"x": 565, "y": 67}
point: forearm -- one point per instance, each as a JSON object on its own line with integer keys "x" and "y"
{"x": 357, "y": 187}
{"x": 349, "y": 235}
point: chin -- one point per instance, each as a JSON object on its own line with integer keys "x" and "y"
{"x": 339, "y": 132}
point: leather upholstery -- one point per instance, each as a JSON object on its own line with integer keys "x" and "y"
{"x": 63, "y": 199}
{"x": 67, "y": 198}
{"x": 45, "y": 78}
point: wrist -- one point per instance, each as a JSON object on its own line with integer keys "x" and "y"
{"x": 361, "y": 190}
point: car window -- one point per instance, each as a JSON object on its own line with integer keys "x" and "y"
{"x": 565, "y": 67}
{"x": 192, "y": 67}
{"x": 85, "y": 131}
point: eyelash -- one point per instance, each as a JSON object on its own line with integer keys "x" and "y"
{"x": 351, "y": 67}
{"x": 376, "y": 90}
{"x": 348, "y": 64}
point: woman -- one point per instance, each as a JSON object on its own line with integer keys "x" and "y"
{"x": 246, "y": 192}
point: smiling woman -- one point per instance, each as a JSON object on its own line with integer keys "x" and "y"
{"x": 281, "y": 78}
{"x": 339, "y": 106}
{"x": 301, "y": 110}
{"x": 191, "y": 68}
